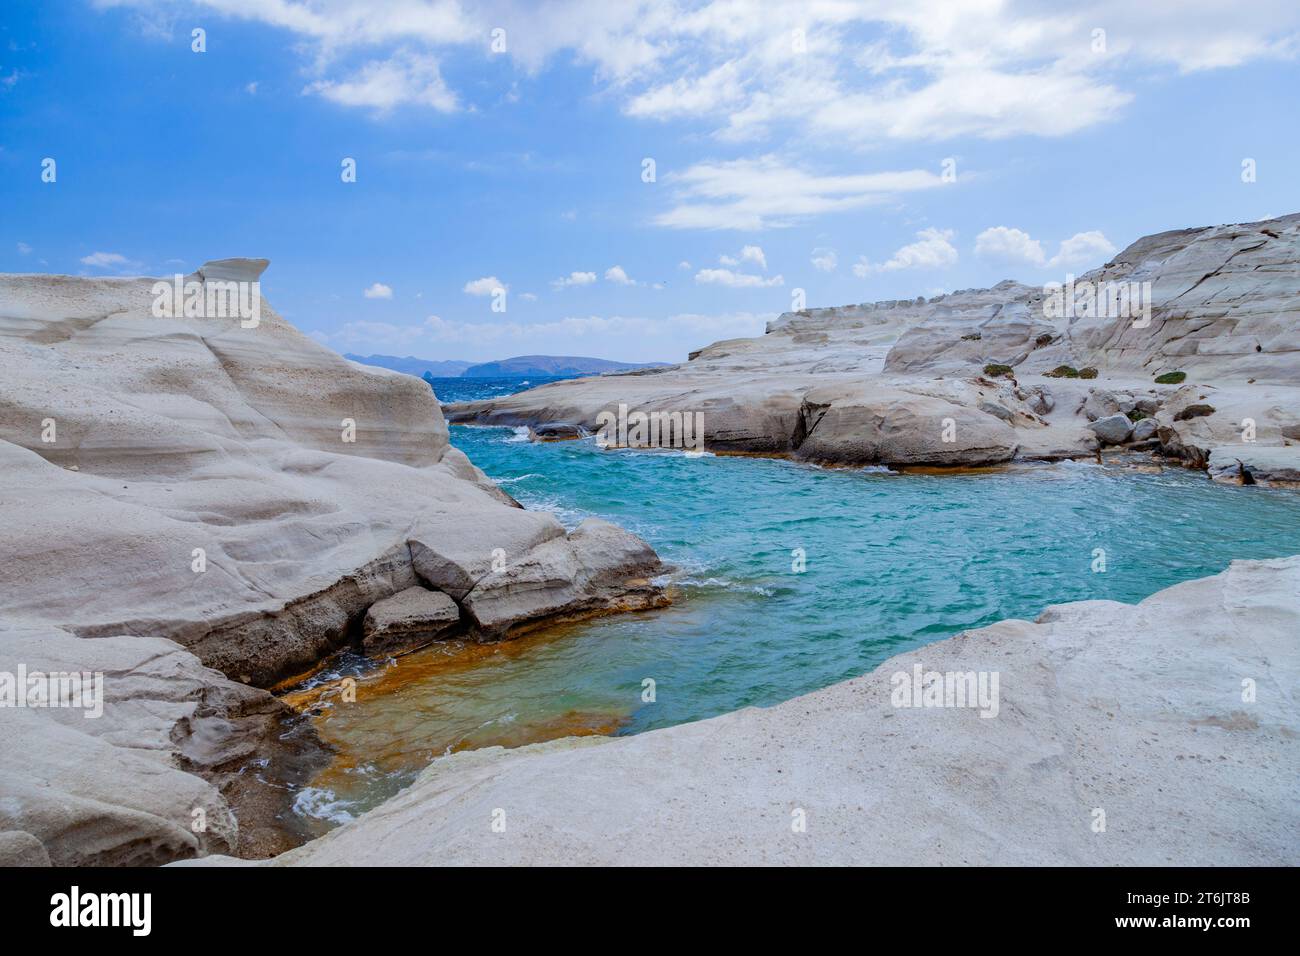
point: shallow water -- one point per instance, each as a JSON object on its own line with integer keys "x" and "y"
{"x": 892, "y": 562}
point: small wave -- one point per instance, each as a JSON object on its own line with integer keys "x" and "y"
{"x": 727, "y": 585}
{"x": 519, "y": 434}
{"x": 511, "y": 481}
{"x": 321, "y": 804}
{"x": 569, "y": 517}
{"x": 877, "y": 470}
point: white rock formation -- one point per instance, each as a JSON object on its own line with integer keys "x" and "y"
{"x": 217, "y": 501}
{"x": 835, "y": 384}
{"x": 1123, "y": 735}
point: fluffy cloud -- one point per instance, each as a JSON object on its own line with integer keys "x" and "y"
{"x": 109, "y": 260}
{"x": 933, "y": 249}
{"x": 735, "y": 280}
{"x": 1084, "y": 249}
{"x": 1003, "y": 244}
{"x": 485, "y": 286}
{"x": 753, "y": 194}
{"x": 938, "y": 69}
{"x": 572, "y": 279}
{"x": 1014, "y": 246}
{"x": 378, "y": 291}
{"x": 618, "y": 276}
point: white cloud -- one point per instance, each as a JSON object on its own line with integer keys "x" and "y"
{"x": 932, "y": 250}
{"x": 528, "y": 296}
{"x": 109, "y": 260}
{"x": 735, "y": 280}
{"x": 936, "y": 68}
{"x": 824, "y": 260}
{"x": 1084, "y": 249}
{"x": 753, "y": 194}
{"x": 572, "y": 279}
{"x": 378, "y": 291}
{"x": 1008, "y": 245}
{"x": 617, "y": 275}
{"x": 24, "y": 248}
{"x": 405, "y": 78}
{"x": 1004, "y": 244}
{"x": 752, "y": 254}
{"x": 251, "y": 88}
{"x": 684, "y": 266}
{"x": 485, "y": 286}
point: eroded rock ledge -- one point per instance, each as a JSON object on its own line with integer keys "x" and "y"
{"x": 1137, "y": 716}
{"x": 203, "y": 506}
{"x": 983, "y": 376}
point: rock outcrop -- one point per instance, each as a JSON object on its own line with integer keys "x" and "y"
{"x": 981, "y": 376}
{"x": 1161, "y": 733}
{"x": 199, "y": 502}
{"x": 408, "y": 620}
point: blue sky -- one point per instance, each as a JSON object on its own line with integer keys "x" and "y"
{"x": 796, "y": 146}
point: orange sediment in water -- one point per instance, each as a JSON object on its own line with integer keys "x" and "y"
{"x": 393, "y": 720}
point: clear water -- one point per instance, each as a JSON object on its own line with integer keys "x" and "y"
{"x": 892, "y": 562}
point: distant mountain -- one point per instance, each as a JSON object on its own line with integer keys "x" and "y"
{"x": 413, "y": 366}
{"x": 519, "y": 366}
{"x": 550, "y": 365}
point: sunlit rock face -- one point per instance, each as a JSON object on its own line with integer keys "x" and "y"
{"x": 1219, "y": 304}
{"x": 187, "y": 478}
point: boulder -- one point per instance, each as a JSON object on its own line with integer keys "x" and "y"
{"x": 556, "y": 431}
{"x": 1113, "y": 429}
{"x": 407, "y": 620}
{"x": 596, "y": 569}
{"x": 1256, "y": 465}
{"x": 1101, "y": 403}
{"x": 1145, "y": 429}
{"x": 875, "y": 425}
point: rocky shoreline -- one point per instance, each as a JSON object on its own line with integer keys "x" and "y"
{"x": 200, "y": 508}
{"x": 985, "y": 376}
{"x": 1152, "y": 734}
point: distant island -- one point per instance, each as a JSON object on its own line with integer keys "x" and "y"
{"x": 413, "y": 366}
{"x": 520, "y": 365}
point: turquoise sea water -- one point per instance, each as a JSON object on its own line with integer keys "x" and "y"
{"x": 892, "y": 562}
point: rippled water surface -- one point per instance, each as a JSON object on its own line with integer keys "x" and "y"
{"x": 892, "y": 562}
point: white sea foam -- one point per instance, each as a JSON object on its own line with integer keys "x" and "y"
{"x": 511, "y": 481}
{"x": 321, "y": 804}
